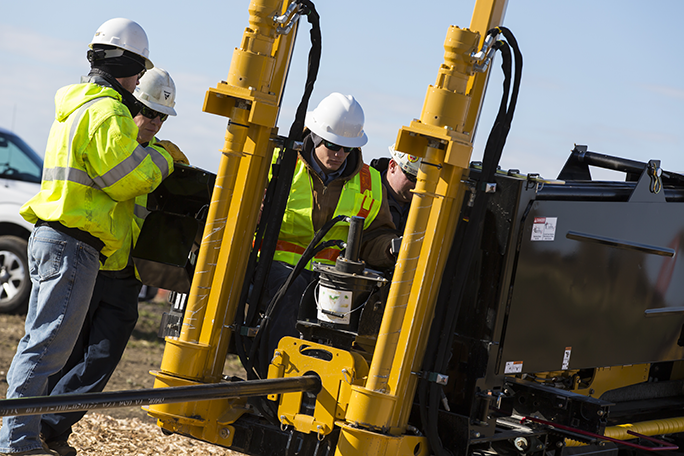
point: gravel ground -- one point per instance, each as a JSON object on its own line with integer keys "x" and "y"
{"x": 122, "y": 431}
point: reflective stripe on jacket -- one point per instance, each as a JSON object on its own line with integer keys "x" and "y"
{"x": 140, "y": 212}
{"x": 361, "y": 195}
{"x": 94, "y": 167}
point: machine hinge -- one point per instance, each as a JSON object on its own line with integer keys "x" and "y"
{"x": 435, "y": 377}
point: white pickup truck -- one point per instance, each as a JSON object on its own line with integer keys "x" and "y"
{"x": 20, "y": 172}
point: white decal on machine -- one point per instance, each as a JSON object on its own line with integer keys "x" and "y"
{"x": 544, "y": 228}
{"x": 566, "y": 358}
{"x": 513, "y": 367}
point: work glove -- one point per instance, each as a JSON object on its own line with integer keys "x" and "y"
{"x": 173, "y": 150}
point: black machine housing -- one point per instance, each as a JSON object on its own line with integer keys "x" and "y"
{"x": 572, "y": 276}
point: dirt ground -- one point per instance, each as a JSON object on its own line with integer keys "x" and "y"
{"x": 108, "y": 432}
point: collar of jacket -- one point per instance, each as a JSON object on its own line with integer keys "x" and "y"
{"x": 99, "y": 77}
{"x": 354, "y": 160}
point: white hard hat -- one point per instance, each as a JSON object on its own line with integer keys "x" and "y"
{"x": 339, "y": 119}
{"x": 157, "y": 91}
{"x": 124, "y": 34}
{"x": 409, "y": 163}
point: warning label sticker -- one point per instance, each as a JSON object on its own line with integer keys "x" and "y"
{"x": 544, "y": 228}
{"x": 566, "y": 358}
{"x": 513, "y": 367}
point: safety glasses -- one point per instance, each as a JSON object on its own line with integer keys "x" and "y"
{"x": 335, "y": 147}
{"x": 409, "y": 176}
{"x": 151, "y": 113}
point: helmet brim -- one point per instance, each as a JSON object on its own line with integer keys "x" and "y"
{"x": 158, "y": 107}
{"x": 344, "y": 141}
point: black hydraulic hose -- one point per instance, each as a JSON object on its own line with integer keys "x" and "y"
{"x": 264, "y": 356}
{"x": 314, "y": 63}
{"x": 279, "y": 187}
{"x": 156, "y": 396}
{"x": 310, "y": 252}
{"x": 462, "y": 253}
{"x": 497, "y": 137}
{"x": 275, "y": 199}
{"x": 489, "y": 164}
{"x": 426, "y": 393}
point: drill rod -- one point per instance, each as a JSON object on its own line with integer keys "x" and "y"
{"x": 42, "y": 405}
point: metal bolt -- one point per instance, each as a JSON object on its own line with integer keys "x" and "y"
{"x": 520, "y": 443}
{"x": 224, "y": 433}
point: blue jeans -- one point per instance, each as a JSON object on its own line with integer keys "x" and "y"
{"x": 63, "y": 272}
{"x": 111, "y": 319}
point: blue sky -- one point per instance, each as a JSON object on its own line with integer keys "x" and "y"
{"x": 606, "y": 73}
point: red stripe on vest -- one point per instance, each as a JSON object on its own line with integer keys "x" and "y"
{"x": 365, "y": 177}
{"x": 326, "y": 254}
{"x": 366, "y": 184}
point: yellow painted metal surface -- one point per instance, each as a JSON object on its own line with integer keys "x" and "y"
{"x": 649, "y": 428}
{"x": 378, "y": 397}
{"x": 609, "y": 378}
{"x": 487, "y": 14}
{"x": 339, "y": 373}
{"x": 250, "y": 97}
{"x": 205, "y": 420}
{"x": 443, "y": 137}
{"x": 356, "y": 441}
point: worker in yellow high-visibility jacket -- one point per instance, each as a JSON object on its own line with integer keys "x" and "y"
{"x": 93, "y": 170}
{"x": 113, "y": 309}
{"x": 330, "y": 179}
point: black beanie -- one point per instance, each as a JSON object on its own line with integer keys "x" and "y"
{"x": 317, "y": 140}
{"x": 123, "y": 66}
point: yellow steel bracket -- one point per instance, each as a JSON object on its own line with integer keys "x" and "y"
{"x": 205, "y": 420}
{"x": 358, "y": 441}
{"x": 417, "y": 136}
{"x": 221, "y": 101}
{"x": 338, "y": 369}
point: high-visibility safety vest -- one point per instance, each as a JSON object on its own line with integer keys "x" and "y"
{"x": 140, "y": 212}
{"x": 361, "y": 196}
{"x": 94, "y": 167}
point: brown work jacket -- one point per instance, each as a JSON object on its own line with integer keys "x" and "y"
{"x": 377, "y": 238}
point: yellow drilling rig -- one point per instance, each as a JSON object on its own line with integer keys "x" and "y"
{"x": 524, "y": 315}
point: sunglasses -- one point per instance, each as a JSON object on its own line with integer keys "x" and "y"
{"x": 151, "y": 113}
{"x": 142, "y": 73}
{"x": 335, "y": 147}
{"x": 409, "y": 176}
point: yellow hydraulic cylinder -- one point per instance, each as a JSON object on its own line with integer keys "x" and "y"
{"x": 652, "y": 428}
{"x": 441, "y": 138}
{"x": 250, "y": 97}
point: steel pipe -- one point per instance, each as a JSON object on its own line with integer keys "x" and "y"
{"x": 42, "y": 405}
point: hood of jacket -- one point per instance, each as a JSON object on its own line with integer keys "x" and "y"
{"x": 68, "y": 99}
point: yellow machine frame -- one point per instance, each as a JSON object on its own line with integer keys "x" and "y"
{"x": 369, "y": 403}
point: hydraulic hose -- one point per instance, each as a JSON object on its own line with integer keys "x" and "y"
{"x": 314, "y": 247}
{"x": 275, "y": 201}
{"x": 460, "y": 259}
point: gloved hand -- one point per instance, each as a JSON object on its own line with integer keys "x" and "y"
{"x": 174, "y": 151}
